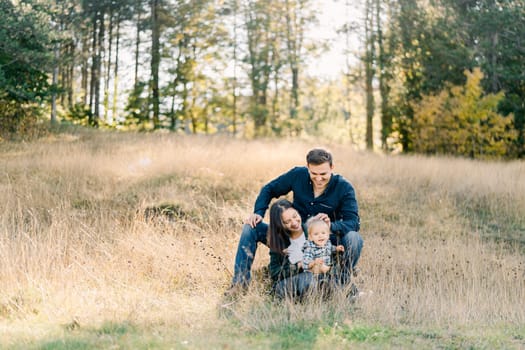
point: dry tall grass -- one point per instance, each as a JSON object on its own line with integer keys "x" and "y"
{"x": 80, "y": 239}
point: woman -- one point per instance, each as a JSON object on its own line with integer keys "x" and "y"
{"x": 286, "y": 237}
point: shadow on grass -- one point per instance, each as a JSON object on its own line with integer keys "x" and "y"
{"x": 108, "y": 336}
{"x": 492, "y": 222}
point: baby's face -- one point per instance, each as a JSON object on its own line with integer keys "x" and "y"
{"x": 319, "y": 233}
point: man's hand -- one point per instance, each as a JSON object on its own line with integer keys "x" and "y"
{"x": 253, "y": 220}
{"x": 323, "y": 217}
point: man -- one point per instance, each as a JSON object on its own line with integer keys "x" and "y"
{"x": 317, "y": 191}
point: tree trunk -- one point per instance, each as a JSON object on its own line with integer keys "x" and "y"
{"x": 257, "y": 22}
{"x": 155, "y": 61}
{"x": 386, "y": 117}
{"x": 100, "y": 45}
{"x": 55, "y": 81}
{"x": 108, "y": 66}
{"x": 347, "y": 106}
{"x": 369, "y": 74}
{"x": 178, "y": 79}
{"x": 137, "y": 44}
{"x": 294, "y": 42}
{"x": 70, "y": 86}
{"x": 275, "y": 100}
{"x": 94, "y": 53}
{"x": 494, "y": 83}
{"x": 234, "y": 87}
{"x": 85, "y": 70}
{"x": 115, "y": 72}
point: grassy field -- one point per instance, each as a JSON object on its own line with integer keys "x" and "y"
{"x": 127, "y": 241}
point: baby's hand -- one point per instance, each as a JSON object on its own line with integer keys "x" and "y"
{"x": 318, "y": 261}
{"x": 324, "y": 268}
{"x": 316, "y": 269}
{"x": 340, "y": 248}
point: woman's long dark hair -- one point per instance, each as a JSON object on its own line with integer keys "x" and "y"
{"x": 278, "y": 236}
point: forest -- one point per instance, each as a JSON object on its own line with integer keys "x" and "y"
{"x": 433, "y": 77}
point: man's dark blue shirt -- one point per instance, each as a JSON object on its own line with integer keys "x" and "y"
{"x": 338, "y": 199}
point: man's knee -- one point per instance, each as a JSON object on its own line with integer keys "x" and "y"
{"x": 353, "y": 240}
{"x": 248, "y": 231}
{"x": 254, "y": 234}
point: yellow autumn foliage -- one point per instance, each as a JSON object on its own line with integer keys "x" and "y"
{"x": 461, "y": 120}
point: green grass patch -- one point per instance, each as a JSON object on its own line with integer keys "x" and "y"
{"x": 300, "y": 335}
{"x": 373, "y": 334}
{"x": 296, "y": 336}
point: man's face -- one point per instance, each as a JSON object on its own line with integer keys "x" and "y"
{"x": 320, "y": 175}
{"x": 319, "y": 233}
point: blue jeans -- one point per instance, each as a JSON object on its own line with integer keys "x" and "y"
{"x": 250, "y": 237}
{"x": 353, "y": 243}
{"x": 300, "y": 285}
{"x": 246, "y": 252}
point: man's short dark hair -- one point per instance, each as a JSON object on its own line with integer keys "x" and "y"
{"x": 318, "y": 156}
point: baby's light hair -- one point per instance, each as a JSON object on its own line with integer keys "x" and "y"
{"x": 315, "y": 221}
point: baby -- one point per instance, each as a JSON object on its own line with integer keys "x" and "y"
{"x": 317, "y": 250}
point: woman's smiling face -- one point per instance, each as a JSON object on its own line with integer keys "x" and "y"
{"x": 291, "y": 220}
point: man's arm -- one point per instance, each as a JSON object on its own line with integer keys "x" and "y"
{"x": 279, "y": 186}
{"x": 348, "y": 213}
